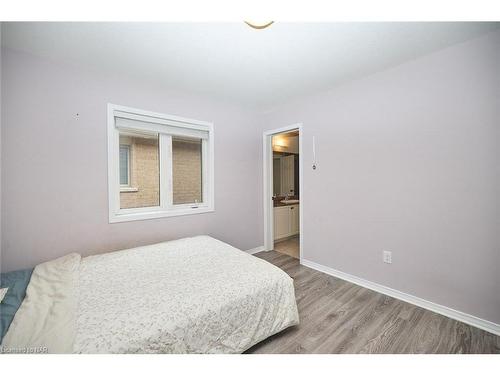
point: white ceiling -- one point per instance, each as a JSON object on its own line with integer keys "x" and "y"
{"x": 258, "y": 68}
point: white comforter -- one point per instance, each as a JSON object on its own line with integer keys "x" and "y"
{"x": 46, "y": 320}
{"x": 195, "y": 295}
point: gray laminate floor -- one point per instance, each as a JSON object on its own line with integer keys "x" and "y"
{"x": 340, "y": 317}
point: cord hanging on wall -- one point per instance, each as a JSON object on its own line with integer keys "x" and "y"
{"x": 314, "y": 153}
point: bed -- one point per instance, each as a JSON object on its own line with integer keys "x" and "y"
{"x": 194, "y": 295}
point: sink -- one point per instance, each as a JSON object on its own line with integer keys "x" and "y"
{"x": 290, "y": 201}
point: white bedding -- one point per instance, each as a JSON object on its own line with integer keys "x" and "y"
{"x": 47, "y": 316}
{"x": 195, "y": 295}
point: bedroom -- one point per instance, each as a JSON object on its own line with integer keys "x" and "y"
{"x": 128, "y": 167}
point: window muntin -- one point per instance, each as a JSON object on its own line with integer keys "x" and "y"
{"x": 180, "y": 171}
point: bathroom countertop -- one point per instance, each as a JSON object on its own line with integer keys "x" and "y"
{"x": 277, "y": 202}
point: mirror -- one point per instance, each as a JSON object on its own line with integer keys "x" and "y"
{"x": 286, "y": 164}
{"x": 285, "y": 174}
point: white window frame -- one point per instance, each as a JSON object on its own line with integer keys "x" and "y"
{"x": 166, "y": 207}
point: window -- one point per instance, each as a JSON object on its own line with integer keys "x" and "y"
{"x": 187, "y": 175}
{"x": 158, "y": 165}
{"x": 143, "y": 185}
{"x": 124, "y": 165}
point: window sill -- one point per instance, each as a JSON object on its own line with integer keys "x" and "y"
{"x": 158, "y": 214}
{"x": 128, "y": 190}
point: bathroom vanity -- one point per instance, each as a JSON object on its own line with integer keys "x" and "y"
{"x": 286, "y": 220}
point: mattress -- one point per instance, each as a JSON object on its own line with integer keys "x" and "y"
{"x": 194, "y": 295}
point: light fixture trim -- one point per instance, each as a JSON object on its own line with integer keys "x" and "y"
{"x": 259, "y": 26}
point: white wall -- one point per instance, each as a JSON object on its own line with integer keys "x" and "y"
{"x": 54, "y": 196}
{"x": 409, "y": 161}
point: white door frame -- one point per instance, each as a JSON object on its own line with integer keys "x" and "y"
{"x": 268, "y": 186}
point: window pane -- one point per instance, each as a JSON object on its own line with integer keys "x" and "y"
{"x": 187, "y": 170}
{"x": 124, "y": 159}
{"x": 143, "y": 170}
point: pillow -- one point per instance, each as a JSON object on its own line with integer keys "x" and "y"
{"x": 3, "y": 292}
{"x": 16, "y": 283}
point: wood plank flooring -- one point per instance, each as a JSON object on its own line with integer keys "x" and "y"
{"x": 339, "y": 317}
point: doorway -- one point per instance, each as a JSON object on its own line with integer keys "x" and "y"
{"x": 283, "y": 193}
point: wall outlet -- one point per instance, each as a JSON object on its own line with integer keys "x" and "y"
{"x": 387, "y": 256}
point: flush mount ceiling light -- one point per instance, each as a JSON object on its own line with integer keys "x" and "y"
{"x": 258, "y": 24}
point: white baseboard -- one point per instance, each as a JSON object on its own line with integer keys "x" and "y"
{"x": 257, "y": 249}
{"x": 443, "y": 310}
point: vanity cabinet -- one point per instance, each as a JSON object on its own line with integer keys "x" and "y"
{"x": 286, "y": 221}
{"x": 294, "y": 220}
